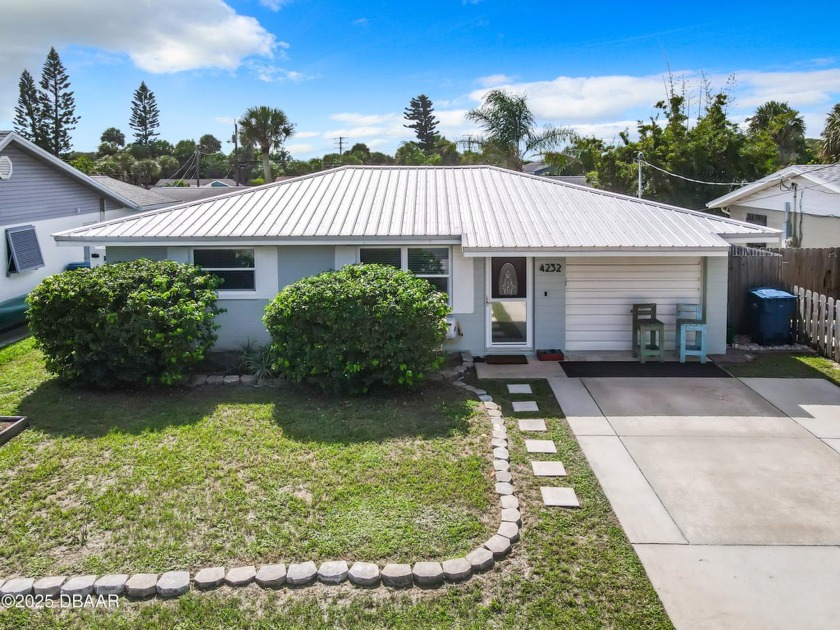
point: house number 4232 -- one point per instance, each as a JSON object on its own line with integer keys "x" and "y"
{"x": 551, "y": 267}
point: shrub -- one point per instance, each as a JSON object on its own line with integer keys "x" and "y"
{"x": 361, "y": 326}
{"x": 134, "y": 322}
{"x": 261, "y": 361}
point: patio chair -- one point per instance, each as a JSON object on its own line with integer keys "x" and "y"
{"x": 690, "y": 319}
{"x": 648, "y": 333}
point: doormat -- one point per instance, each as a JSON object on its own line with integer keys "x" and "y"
{"x": 506, "y": 359}
{"x": 670, "y": 369}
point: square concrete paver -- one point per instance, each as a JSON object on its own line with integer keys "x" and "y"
{"x": 548, "y": 469}
{"x": 524, "y": 405}
{"x": 532, "y": 424}
{"x": 540, "y": 446}
{"x": 519, "y": 389}
{"x": 559, "y": 497}
{"x": 812, "y": 402}
{"x": 746, "y": 587}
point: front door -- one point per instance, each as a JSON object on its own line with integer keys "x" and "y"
{"x": 508, "y": 303}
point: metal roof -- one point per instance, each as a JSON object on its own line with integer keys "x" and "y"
{"x": 482, "y": 207}
{"x": 144, "y": 199}
{"x": 827, "y": 175}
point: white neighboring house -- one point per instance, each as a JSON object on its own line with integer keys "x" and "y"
{"x": 527, "y": 263}
{"x": 803, "y": 201}
{"x": 39, "y": 195}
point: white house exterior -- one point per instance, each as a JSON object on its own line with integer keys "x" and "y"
{"x": 528, "y": 263}
{"x": 40, "y": 195}
{"x": 802, "y": 201}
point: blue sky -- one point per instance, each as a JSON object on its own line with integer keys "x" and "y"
{"x": 349, "y": 68}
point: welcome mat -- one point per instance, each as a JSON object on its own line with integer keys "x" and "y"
{"x": 506, "y": 359}
{"x": 599, "y": 369}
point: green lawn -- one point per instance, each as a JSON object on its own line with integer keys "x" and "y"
{"x": 154, "y": 480}
{"x": 779, "y": 365}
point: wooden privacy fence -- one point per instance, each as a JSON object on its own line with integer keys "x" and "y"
{"x": 815, "y": 322}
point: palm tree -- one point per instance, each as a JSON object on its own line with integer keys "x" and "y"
{"x": 266, "y": 128}
{"x": 784, "y": 125}
{"x": 830, "y": 145}
{"x": 511, "y": 132}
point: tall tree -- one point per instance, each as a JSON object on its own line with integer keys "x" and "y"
{"x": 28, "y": 121}
{"x": 57, "y": 105}
{"x": 511, "y": 132}
{"x": 265, "y": 127}
{"x": 144, "y": 115}
{"x": 784, "y": 126}
{"x": 830, "y": 143}
{"x": 208, "y": 143}
{"x": 421, "y": 115}
{"x": 114, "y": 136}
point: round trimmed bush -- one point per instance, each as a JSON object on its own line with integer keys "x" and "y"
{"x": 138, "y": 322}
{"x": 359, "y": 327}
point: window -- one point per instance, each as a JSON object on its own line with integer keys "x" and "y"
{"x": 431, "y": 263}
{"x": 757, "y": 219}
{"x": 24, "y": 253}
{"x": 234, "y": 266}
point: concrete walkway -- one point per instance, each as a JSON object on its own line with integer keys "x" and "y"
{"x": 729, "y": 491}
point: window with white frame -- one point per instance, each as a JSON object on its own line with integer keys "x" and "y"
{"x": 430, "y": 263}
{"x": 234, "y": 266}
{"x": 24, "y": 252}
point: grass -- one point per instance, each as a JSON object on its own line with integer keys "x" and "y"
{"x": 572, "y": 569}
{"x": 783, "y": 365}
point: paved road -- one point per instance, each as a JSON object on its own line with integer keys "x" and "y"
{"x": 729, "y": 491}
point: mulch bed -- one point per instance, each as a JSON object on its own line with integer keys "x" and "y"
{"x": 670, "y": 369}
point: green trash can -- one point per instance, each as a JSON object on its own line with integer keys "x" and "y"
{"x": 771, "y": 315}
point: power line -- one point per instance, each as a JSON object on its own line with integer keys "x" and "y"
{"x": 689, "y": 179}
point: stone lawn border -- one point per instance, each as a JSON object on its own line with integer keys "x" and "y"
{"x": 423, "y": 574}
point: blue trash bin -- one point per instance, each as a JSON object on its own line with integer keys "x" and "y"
{"x": 771, "y": 315}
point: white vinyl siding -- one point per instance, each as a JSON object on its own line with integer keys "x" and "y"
{"x": 600, "y": 293}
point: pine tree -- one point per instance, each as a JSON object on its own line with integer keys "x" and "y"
{"x": 421, "y": 112}
{"x": 28, "y": 122}
{"x": 144, "y": 115}
{"x": 57, "y": 105}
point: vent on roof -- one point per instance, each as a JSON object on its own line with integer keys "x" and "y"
{"x": 5, "y": 168}
{"x": 24, "y": 251}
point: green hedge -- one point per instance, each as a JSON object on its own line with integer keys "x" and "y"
{"x": 139, "y": 322}
{"x": 359, "y": 327}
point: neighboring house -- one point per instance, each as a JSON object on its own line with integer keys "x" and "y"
{"x": 578, "y": 180}
{"x": 186, "y": 194}
{"x": 538, "y": 168}
{"x": 527, "y": 262}
{"x": 204, "y": 182}
{"x": 142, "y": 198}
{"x": 803, "y": 201}
{"x": 39, "y": 195}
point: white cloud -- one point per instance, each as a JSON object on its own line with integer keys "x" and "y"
{"x": 299, "y": 147}
{"x": 494, "y": 80}
{"x": 307, "y": 134}
{"x": 274, "y": 5}
{"x": 225, "y": 120}
{"x": 271, "y": 73}
{"x": 362, "y": 21}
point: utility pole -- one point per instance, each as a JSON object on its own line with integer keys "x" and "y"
{"x": 340, "y": 142}
{"x": 236, "y": 151}
{"x": 197, "y": 168}
{"x": 639, "y": 158}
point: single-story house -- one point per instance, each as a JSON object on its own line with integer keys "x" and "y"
{"x": 39, "y": 195}
{"x": 803, "y": 201}
{"x": 203, "y": 182}
{"x": 527, "y": 262}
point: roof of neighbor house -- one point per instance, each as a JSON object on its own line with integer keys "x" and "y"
{"x": 484, "y": 208}
{"x": 9, "y": 137}
{"x": 580, "y": 180}
{"x": 145, "y": 199}
{"x": 204, "y": 182}
{"x": 821, "y": 175}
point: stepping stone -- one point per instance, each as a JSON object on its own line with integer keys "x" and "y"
{"x": 333, "y": 572}
{"x": 524, "y": 405}
{"x": 271, "y": 575}
{"x": 141, "y": 585}
{"x": 494, "y": 413}
{"x": 113, "y": 584}
{"x": 501, "y": 453}
{"x": 540, "y": 446}
{"x": 17, "y": 586}
{"x": 210, "y": 577}
{"x": 457, "y": 570}
{"x": 428, "y": 573}
{"x": 509, "y": 530}
{"x": 519, "y": 389}
{"x": 479, "y": 392}
{"x": 79, "y": 585}
{"x": 511, "y": 515}
{"x": 48, "y": 586}
{"x": 532, "y": 424}
{"x": 398, "y": 575}
{"x": 241, "y": 576}
{"x": 499, "y": 545}
{"x": 485, "y": 398}
{"x": 498, "y": 422}
{"x": 499, "y": 442}
{"x": 501, "y": 465}
{"x": 560, "y": 497}
{"x": 480, "y": 559}
{"x": 364, "y": 574}
{"x": 500, "y": 432}
{"x": 491, "y": 406}
{"x": 510, "y": 502}
{"x": 504, "y": 488}
{"x": 173, "y": 583}
{"x": 548, "y": 469}
{"x": 503, "y": 475}
{"x": 301, "y": 573}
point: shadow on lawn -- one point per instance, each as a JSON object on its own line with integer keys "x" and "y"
{"x": 303, "y": 414}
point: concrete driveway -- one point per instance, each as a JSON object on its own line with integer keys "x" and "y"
{"x": 729, "y": 491}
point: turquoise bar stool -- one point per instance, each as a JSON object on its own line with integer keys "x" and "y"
{"x": 690, "y": 320}
{"x": 648, "y": 333}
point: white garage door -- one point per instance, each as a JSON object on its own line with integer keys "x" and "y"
{"x": 601, "y": 291}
